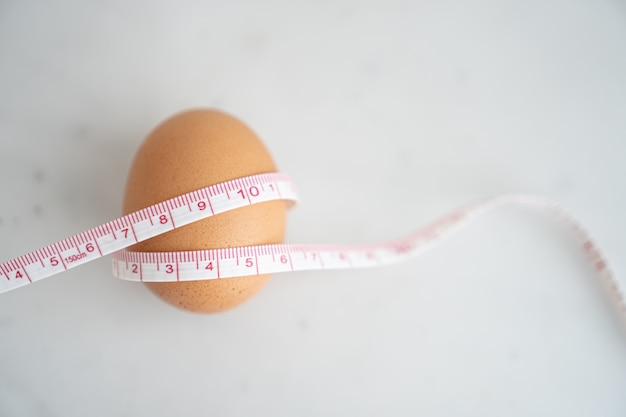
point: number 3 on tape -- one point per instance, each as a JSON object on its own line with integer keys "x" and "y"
{"x": 115, "y": 236}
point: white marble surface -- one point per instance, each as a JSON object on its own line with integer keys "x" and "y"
{"x": 431, "y": 104}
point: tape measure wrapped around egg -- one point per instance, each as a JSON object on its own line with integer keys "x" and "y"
{"x": 187, "y": 152}
{"x": 203, "y": 195}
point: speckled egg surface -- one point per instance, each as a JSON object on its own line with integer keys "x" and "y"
{"x": 191, "y": 150}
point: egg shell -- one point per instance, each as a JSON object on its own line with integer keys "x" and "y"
{"x": 189, "y": 151}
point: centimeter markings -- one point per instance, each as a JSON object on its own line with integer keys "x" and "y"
{"x": 115, "y": 236}
{"x": 143, "y": 224}
{"x": 266, "y": 259}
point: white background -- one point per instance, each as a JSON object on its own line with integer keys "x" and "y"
{"x": 404, "y": 111}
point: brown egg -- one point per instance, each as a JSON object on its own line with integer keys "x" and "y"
{"x": 189, "y": 151}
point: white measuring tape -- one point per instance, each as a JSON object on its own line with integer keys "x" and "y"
{"x": 115, "y": 236}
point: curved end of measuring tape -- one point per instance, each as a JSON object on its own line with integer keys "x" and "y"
{"x": 115, "y": 236}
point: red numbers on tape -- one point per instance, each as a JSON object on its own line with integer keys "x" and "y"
{"x": 115, "y": 236}
{"x": 141, "y": 225}
{"x": 252, "y": 191}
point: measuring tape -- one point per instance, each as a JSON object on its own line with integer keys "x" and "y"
{"x": 114, "y": 236}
